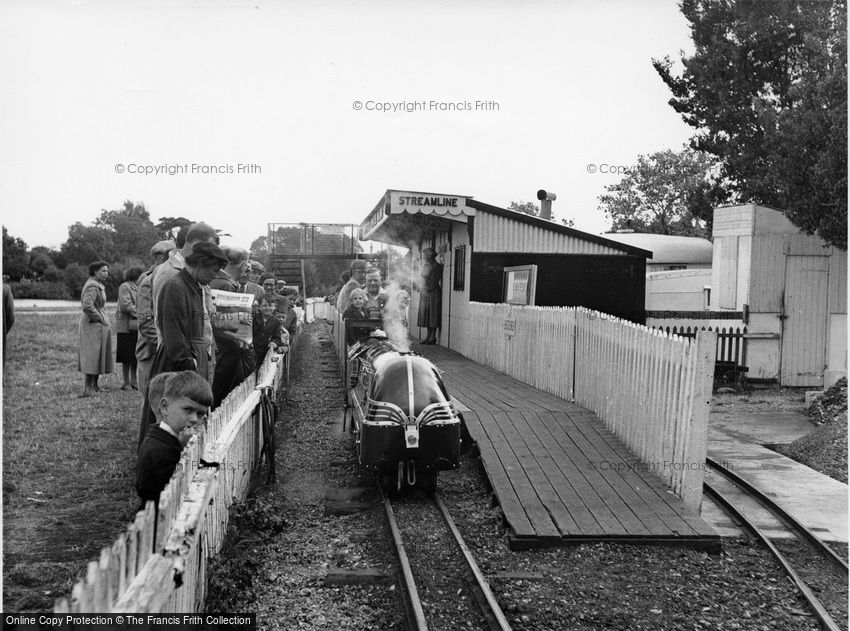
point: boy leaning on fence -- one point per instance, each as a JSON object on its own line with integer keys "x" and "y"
{"x": 180, "y": 402}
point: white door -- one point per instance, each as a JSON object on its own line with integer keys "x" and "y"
{"x": 804, "y": 327}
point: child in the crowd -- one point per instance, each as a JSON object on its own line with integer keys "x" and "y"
{"x": 268, "y": 331}
{"x": 184, "y": 403}
{"x": 356, "y": 306}
{"x": 288, "y": 316}
{"x": 155, "y": 388}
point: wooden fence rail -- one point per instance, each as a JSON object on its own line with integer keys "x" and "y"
{"x": 159, "y": 563}
{"x": 731, "y": 347}
{"x": 652, "y": 389}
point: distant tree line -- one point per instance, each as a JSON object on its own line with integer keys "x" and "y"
{"x": 122, "y": 238}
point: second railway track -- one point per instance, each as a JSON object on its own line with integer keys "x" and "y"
{"x": 443, "y": 587}
{"x": 827, "y": 604}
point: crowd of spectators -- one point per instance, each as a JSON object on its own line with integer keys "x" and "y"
{"x": 173, "y": 344}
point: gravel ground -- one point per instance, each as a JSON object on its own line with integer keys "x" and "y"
{"x": 282, "y": 545}
{"x": 825, "y": 449}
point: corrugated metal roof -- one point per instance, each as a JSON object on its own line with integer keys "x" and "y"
{"x": 501, "y": 230}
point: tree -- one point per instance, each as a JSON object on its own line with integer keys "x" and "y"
{"x": 260, "y": 249}
{"x": 89, "y": 243}
{"x": 665, "y": 193}
{"x": 530, "y": 208}
{"x": 15, "y": 257}
{"x": 133, "y": 232}
{"x": 766, "y": 90}
{"x": 168, "y": 227}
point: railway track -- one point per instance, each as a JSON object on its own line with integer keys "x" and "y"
{"x": 803, "y": 533}
{"x": 454, "y": 582}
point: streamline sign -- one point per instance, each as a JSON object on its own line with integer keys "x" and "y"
{"x": 451, "y": 207}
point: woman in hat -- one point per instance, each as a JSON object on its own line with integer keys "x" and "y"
{"x": 180, "y": 313}
{"x": 94, "y": 354}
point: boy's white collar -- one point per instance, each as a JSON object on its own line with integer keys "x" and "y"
{"x": 167, "y": 428}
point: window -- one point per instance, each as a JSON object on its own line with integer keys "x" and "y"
{"x": 460, "y": 268}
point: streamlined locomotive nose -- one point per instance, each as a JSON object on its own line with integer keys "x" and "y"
{"x": 404, "y": 415}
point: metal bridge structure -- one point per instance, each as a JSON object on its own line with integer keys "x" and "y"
{"x": 291, "y": 244}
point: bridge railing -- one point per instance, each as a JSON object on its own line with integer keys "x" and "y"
{"x": 159, "y": 563}
{"x": 651, "y": 389}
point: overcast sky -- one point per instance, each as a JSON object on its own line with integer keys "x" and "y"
{"x": 93, "y": 88}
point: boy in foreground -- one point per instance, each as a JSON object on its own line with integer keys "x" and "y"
{"x": 180, "y": 402}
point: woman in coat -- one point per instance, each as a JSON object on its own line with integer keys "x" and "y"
{"x": 430, "y": 298}
{"x": 127, "y": 327}
{"x": 180, "y": 312}
{"x": 94, "y": 356}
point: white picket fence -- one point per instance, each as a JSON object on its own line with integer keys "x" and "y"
{"x": 158, "y": 565}
{"x": 651, "y": 389}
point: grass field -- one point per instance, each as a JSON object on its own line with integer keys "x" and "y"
{"x": 68, "y": 463}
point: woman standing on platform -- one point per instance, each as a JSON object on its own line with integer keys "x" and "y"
{"x": 430, "y": 297}
{"x": 94, "y": 355}
{"x": 127, "y": 327}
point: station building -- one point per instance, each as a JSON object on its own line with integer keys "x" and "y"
{"x": 495, "y": 255}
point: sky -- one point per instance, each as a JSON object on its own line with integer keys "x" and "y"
{"x": 313, "y": 100}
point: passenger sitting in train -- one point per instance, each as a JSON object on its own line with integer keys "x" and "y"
{"x": 356, "y": 308}
{"x": 397, "y": 307}
{"x": 376, "y": 296}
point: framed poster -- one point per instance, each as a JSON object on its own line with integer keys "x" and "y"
{"x": 519, "y": 284}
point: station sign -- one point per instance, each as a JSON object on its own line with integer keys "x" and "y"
{"x": 427, "y": 204}
{"x": 414, "y": 205}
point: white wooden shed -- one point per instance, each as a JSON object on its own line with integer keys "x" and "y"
{"x": 794, "y": 288}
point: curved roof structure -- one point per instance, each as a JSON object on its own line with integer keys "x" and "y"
{"x": 667, "y": 249}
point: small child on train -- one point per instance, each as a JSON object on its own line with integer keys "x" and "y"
{"x": 356, "y": 309}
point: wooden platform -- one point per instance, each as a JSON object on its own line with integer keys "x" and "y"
{"x": 559, "y": 475}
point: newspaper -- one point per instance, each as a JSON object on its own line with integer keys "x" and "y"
{"x": 233, "y": 313}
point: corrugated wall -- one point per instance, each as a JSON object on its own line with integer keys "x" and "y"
{"x": 501, "y": 234}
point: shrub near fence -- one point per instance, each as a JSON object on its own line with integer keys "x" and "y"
{"x": 159, "y": 564}
{"x": 652, "y": 390}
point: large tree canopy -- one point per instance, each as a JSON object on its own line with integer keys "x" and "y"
{"x": 766, "y": 90}
{"x": 116, "y": 235}
{"x": 665, "y": 193}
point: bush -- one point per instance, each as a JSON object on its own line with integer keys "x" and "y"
{"x": 41, "y": 290}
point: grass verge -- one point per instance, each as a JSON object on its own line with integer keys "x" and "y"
{"x": 68, "y": 463}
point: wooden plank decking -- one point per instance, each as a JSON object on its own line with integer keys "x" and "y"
{"x": 558, "y": 474}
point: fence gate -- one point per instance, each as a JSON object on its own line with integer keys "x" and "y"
{"x": 804, "y": 326}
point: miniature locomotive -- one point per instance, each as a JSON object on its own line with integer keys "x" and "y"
{"x": 406, "y": 427}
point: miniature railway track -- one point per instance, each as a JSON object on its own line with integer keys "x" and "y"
{"x": 476, "y": 582}
{"x": 792, "y": 524}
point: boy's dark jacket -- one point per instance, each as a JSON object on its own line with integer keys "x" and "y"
{"x": 158, "y": 457}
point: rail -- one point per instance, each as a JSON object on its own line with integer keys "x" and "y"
{"x": 158, "y": 565}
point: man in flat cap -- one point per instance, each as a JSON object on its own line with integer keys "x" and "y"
{"x": 146, "y": 343}
{"x": 180, "y": 313}
{"x": 256, "y": 270}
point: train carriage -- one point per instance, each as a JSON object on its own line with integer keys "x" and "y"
{"x": 406, "y": 427}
